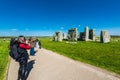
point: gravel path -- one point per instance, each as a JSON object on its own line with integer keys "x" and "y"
{"x": 47, "y": 65}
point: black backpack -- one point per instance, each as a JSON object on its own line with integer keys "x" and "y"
{"x": 14, "y": 49}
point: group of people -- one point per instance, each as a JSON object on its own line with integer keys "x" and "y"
{"x": 19, "y": 51}
{"x": 34, "y": 43}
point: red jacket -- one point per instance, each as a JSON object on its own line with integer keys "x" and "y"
{"x": 24, "y": 46}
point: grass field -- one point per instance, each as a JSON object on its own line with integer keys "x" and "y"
{"x": 4, "y": 58}
{"x": 106, "y": 55}
{"x": 115, "y": 38}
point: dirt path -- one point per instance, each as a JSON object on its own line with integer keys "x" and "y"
{"x": 47, "y": 65}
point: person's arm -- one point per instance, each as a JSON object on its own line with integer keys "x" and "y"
{"x": 24, "y": 46}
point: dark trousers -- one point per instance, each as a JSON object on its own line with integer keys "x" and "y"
{"x": 32, "y": 52}
{"x": 22, "y": 70}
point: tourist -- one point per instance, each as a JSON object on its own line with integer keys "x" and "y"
{"x": 38, "y": 44}
{"x": 23, "y": 58}
{"x": 32, "y": 45}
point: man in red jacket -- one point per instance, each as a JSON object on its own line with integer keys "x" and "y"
{"x": 23, "y": 58}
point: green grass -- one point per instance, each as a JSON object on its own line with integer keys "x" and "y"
{"x": 106, "y": 55}
{"x": 4, "y": 58}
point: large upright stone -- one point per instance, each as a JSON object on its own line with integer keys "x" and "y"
{"x": 58, "y": 36}
{"x": 86, "y": 33}
{"x": 72, "y": 34}
{"x": 54, "y": 37}
{"x": 92, "y": 34}
{"x": 104, "y": 37}
{"x": 64, "y": 36}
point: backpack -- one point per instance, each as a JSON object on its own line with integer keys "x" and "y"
{"x": 14, "y": 49}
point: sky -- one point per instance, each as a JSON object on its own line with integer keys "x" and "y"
{"x": 44, "y": 17}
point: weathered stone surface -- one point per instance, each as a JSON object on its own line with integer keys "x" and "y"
{"x": 58, "y": 36}
{"x": 72, "y": 34}
{"x": 64, "y": 36}
{"x": 104, "y": 36}
{"x": 86, "y": 33}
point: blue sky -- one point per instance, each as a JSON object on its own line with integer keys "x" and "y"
{"x": 44, "y": 17}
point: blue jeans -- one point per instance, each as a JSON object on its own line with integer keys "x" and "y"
{"x": 32, "y": 52}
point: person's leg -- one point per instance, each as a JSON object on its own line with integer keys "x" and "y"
{"x": 32, "y": 51}
{"x": 22, "y": 70}
{"x": 39, "y": 46}
{"x": 19, "y": 72}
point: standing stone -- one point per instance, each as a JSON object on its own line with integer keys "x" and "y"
{"x": 92, "y": 34}
{"x": 56, "y": 38}
{"x": 72, "y": 34}
{"x": 64, "y": 36}
{"x": 60, "y": 36}
{"x": 86, "y": 33}
{"x": 104, "y": 37}
{"x": 75, "y": 34}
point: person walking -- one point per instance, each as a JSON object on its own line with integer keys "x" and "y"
{"x": 38, "y": 44}
{"x": 32, "y": 45}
